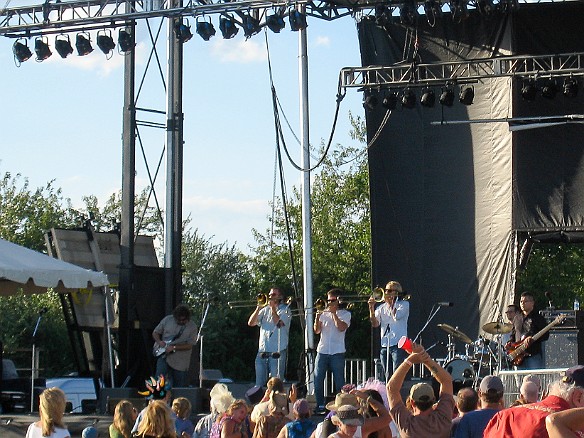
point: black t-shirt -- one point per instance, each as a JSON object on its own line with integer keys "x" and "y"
{"x": 529, "y": 325}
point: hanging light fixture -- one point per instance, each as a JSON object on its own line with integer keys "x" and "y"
{"x": 41, "y": 48}
{"x": 21, "y": 51}
{"x": 125, "y": 41}
{"x": 370, "y": 101}
{"x": 227, "y": 27}
{"x": 182, "y": 31}
{"x": 390, "y": 100}
{"x": 466, "y": 96}
{"x": 428, "y": 98}
{"x": 63, "y": 45}
{"x": 251, "y": 26}
{"x": 529, "y": 90}
{"x": 275, "y": 22}
{"x": 486, "y": 7}
{"x": 408, "y": 13}
{"x": 297, "y": 20}
{"x": 105, "y": 42}
{"x": 205, "y": 29}
{"x": 83, "y": 44}
{"x": 447, "y": 96}
{"x": 459, "y": 10}
{"x": 382, "y": 14}
{"x": 408, "y": 99}
{"x": 570, "y": 87}
{"x": 433, "y": 11}
{"x": 550, "y": 89}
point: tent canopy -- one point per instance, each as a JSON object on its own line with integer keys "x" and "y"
{"x": 34, "y": 272}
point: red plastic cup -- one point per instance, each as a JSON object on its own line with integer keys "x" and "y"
{"x": 405, "y": 343}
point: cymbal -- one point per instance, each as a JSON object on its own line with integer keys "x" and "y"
{"x": 497, "y": 328}
{"x": 455, "y": 332}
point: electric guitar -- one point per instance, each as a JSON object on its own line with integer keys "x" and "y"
{"x": 516, "y": 350}
{"x": 158, "y": 351}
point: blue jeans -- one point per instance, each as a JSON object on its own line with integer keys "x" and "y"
{"x": 335, "y": 363}
{"x": 534, "y": 362}
{"x": 176, "y": 378}
{"x": 397, "y": 356}
{"x": 268, "y": 367}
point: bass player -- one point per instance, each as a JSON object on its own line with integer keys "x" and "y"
{"x": 174, "y": 338}
{"x": 527, "y": 323}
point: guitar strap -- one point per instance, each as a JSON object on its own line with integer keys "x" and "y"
{"x": 178, "y": 335}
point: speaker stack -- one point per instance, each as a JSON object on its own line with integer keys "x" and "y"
{"x": 565, "y": 346}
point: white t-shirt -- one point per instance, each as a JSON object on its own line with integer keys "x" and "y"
{"x": 35, "y": 431}
{"x": 393, "y": 323}
{"x": 332, "y": 340}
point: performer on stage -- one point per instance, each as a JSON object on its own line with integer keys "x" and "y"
{"x": 331, "y": 325}
{"x": 510, "y": 313}
{"x": 526, "y": 324}
{"x": 392, "y": 316}
{"x": 174, "y": 338}
{"x": 274, "y": 322}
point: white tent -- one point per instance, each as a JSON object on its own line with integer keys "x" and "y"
{"x": 34, "y": 272}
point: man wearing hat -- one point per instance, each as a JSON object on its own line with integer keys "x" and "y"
{"x": 473, "y": 424}
{"x": 347, "y": 419}
{"x": 528, "y": 421}
{"x": 426, "y": 420}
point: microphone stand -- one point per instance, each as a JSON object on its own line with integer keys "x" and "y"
{"x": 33, "y": 367}
{"x": 200, "y": 338}
{"x": 433, "y": 312}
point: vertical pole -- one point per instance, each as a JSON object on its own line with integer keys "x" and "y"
{"x": 306, "y": 217}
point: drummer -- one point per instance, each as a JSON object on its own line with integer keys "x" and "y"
{"x": 510, "y": 315}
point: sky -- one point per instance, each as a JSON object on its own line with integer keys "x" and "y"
{"x": 61, "y": 119}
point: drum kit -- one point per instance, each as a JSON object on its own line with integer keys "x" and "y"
{"x": 481, "y": 357}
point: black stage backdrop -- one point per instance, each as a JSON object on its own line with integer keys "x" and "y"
{"x": 447, "y": 200}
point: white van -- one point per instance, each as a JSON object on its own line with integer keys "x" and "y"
{"x": 80, "y": 392}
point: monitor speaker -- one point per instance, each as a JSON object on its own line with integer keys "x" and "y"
{"x": 564, "y": 348}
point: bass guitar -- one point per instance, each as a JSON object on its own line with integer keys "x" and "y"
{"x": 158, "y": 351}
{"x": 516, "y": 350}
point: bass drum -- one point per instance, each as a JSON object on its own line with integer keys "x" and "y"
{"x": 462, "y": 372}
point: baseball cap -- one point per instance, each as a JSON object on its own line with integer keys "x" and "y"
{"x": 89, "y": 432}
{"x": 254, "y": 394}
{"x": 422, "y": 392}
{"x": 491, "y": 383}
{"x": 301, "y": 406}
{"x": 349, "y": 414}
{"x": 575, "y": 375}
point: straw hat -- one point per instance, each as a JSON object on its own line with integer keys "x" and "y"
{"x": 343, "y": 399}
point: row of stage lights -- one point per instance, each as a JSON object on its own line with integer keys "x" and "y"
{"x": 548, "y": 88}
{"x": 227, "y": 25}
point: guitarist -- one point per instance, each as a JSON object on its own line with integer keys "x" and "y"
{"x": 174, "y": 338}
{"x": 526, "y": 324}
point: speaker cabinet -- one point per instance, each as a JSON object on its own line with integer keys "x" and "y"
{"x": 564, "y": 348}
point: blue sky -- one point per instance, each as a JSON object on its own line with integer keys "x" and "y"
{"x": 62, "y": 119}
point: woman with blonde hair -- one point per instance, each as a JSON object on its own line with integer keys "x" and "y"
{"x": 124, "y": 418}
{"x": 157, "y": 421}
{"x": 51, "y": 410}
{"x": 234, "y": 423}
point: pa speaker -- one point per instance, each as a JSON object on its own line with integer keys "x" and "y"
{"x": 564, "y": 349}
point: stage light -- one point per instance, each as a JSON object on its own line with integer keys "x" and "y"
{"x": 183, "y": 31}
{"x": 408, "y": 13}
{"x": 459, "y": 10}
{"x": 433, "y": 11}
{"x": 529, "y": 90}
{"x": 275, "y": 23}
{"x": 447, "y": 96}
{"x": 297, "y": 20}
{"x": 382, "y": 15}
{"x": 466, "y": 95}
{"x": 486, "y": 7}
{"x": 105, "y": 42}
{"x": 390, "y": 100}
{"x": 125, "y": 41}
{"x": 21, "y": 51}
{"x": 549, "y": 89}
{"x": 41, "y": 48}
{"x": 428, "y": 98}
{"x": 83, "y": 44}
{"x": 408, "y": 99}
{"x": 227, "y": 27}
{"x": 205, "y": 29}
{"x": 370, "y": 101}
{"x": 63, "y": 45}
{"x": 570, "y": 88}
{"x": 251, "y": 26}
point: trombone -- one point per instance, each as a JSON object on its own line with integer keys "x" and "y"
{"x": 319, "y": 306}
{"x": 377, "y": 295}
{"x": 261, "y": 301}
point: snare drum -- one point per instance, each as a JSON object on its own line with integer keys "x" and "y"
{"x": 461, "y": 371}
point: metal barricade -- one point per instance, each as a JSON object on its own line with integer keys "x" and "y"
{"x": 355, "y": 373}
{"x": 512, "y": 381}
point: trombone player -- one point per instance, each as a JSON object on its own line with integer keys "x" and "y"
{"x": 392, "y": 317}
{"x": 273, "y": 318}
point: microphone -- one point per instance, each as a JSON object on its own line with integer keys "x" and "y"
{"x": 445, "y": 304}
{"x": 43, "y": 311}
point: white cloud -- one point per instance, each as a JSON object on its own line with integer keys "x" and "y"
{"x": 240, "y": 52}
{"x": 322, "y": 41}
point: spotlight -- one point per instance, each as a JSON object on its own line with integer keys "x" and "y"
{"x": 408, "y": 99}
{"x": 570, "y": 88}
{"x": 41, "y": 48}
{"x": 428, "y": 98}
{"x": 408, "y": 14}
{"x": 251, "y": 26}
{"x": 549, "y": 89}
{"x": 529, "y": 90}
{"x": 297, "y": 20}
{"x": 447, "y": 96}
{"x": 183, "y": 31}
{"x": 382, "y": 14}
{"x": 275, "y": 23}
{"x": 21, "y": 51}
{"x": 370, "y": 101}
{"x": 63, "y": 45}
{"x": 227, "y": 27}
{"x": 486, "y": 7}
{"x": 125, "y": 41}
{"x": 466, "y": 95}
{"x": 105, "y": 42}
{"x": 459, "y": 10}
{"x": 83, "y": 44}
{"x": 433, "y": 11}
{"x": 205, "y": 29}
{"x": 390, "y": 100}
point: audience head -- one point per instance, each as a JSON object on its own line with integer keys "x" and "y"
{"x": 124, "y": 417}
{"x": 570, "y": 387}
{"x": 422, "y": 396}
{"x": 529, "y": 391}
{"x": 90, "y": 432}
{"x": 278, "y": 403}
{"x": 467, "y": 400}
{"x": 342, "y": 399}
{"x": 347, "y": 419}
{"x": 533, "y": 378}
{"x": 275, "y": 384}
{"x": 157, "y": 420}
{"x": 238, "y": 410}
{"x": 52, "y": 404}
{"x": 491, "y": 390}
{"x": 181, "y": 406}
{"x": 375, "y": 395}
{"x": 221, "y": 399}
{"x": 300, "y": 409}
